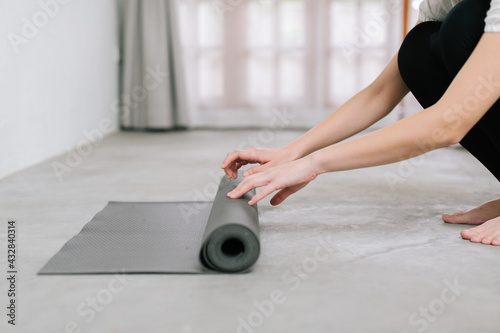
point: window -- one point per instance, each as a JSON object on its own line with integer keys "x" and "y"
{"x": 247, "y": 57}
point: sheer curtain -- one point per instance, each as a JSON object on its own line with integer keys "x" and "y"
{"x": 152, "y": 83}
{"x": 248, "y": 58}
{"x": 227, "y": 63}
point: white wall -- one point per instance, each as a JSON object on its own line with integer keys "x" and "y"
{"x": 62, "y": 79}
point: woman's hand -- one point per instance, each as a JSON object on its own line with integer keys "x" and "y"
{"x": 267, "y": 158}
{"x": 287, "y": 178}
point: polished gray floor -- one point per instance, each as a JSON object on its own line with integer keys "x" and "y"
{"x": 357, "y": 251}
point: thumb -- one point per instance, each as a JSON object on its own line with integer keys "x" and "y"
{"x": 282, "y": 195}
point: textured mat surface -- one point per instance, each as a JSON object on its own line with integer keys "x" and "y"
{"x": 165, "y": 237}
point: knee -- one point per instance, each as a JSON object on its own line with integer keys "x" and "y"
{"x": 461, "y": 31}
{"x": 416, "y": 49}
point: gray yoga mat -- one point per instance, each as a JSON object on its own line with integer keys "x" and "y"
{"x": 165, "y": 237}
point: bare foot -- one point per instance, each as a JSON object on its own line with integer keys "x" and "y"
{"x": 478, "y": 215}
{"x": 487, "y": 233}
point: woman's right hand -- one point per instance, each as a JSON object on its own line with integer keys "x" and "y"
{"x": 266, "y": 157}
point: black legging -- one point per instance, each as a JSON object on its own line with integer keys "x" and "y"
{"x": 432, "y": 55}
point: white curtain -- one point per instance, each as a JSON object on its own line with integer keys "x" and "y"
{"x": 251, "y": 58}
{"x": 152, "y": 80}
{"x": 247, "y": 60}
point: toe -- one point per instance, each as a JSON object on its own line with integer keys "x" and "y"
{"x": 474, "y": 216}
{"x": 469, "y": 217}
{"x": 453, "y": 218}
{"x": 466, "y": 234}
{"x": 486, "y": 241}
{"x": 496, "y": 241}
{"x": 487, "y": 233}
{"x": 476, "y": 239}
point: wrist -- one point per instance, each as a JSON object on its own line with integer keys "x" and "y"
{"x": 314, "y": 162}
{"x": 296, "y": 150}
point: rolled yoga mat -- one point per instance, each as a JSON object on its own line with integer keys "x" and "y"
{"x": 165, "y": 237}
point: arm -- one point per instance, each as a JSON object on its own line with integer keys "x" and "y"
{"x": 447, "y": 122}
{"x": 473, "y": 91}
{"x": 358, "y": 113}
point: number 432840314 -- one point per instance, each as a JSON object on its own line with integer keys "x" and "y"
{"x": 11, "y": 244}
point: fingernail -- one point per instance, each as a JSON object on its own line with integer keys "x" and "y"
{"x": 245, "y": 174}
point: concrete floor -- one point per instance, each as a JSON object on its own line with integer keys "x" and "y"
{"x": 349, "y": 253}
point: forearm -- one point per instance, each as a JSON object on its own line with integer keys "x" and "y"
{"x": 357, "y": 114}
{"x": 405, "y": 139}
{"x": 471, "y": 94}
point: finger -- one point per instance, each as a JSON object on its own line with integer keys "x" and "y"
{"x": 282, "y": 195}
{"x": 232, "y": 169}
{"x": 242, "y": 155}
{"x": 239, "y": 190}
{"x": 228, "y": 172}
{"x": 238, "y": 166}
{"x": 262, "y": 194}
{"x": 229, "y": 163}
{"x": 257, "y": 169}
{"x": 229, "y": 159}
{"x": 246, "y": 185}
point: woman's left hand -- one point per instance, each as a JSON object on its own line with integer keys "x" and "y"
{"x": 287, "y": 178}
